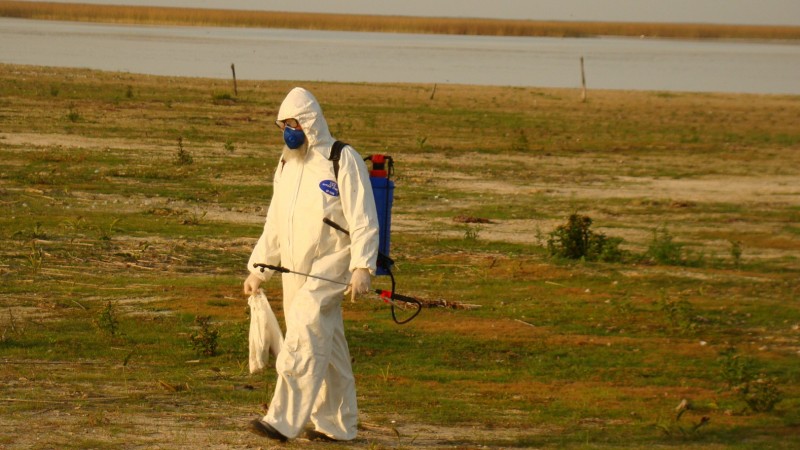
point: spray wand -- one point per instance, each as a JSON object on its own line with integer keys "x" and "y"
{"x": 387, "y": 296}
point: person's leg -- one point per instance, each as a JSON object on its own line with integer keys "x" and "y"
{"x": 304, "y": 359}
{"x": 335, "y": 412}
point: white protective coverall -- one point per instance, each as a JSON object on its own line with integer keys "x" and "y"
{"x": 315, "y": 378}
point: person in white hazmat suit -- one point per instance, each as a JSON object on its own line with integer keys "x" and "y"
{"x": 315, "y": 378}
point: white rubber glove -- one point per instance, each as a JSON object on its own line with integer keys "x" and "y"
{"x": 254, "y": 280}
{"x": 359, "y": 283}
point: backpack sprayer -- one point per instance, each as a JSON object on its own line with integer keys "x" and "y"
{"x": 383, "y": 191}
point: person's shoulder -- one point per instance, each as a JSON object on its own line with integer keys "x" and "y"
{"x": 351, "y": 151}
{"x": 354, "y": 159}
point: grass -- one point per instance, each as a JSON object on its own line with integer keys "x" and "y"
{"x": 399, "y": 24}
{"x": 110, "y": 251}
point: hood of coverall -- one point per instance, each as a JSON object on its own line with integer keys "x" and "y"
{"x": 302, "y": 105}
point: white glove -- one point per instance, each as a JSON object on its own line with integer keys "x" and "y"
{"x": 359, "y": 283}
{"x": 254, "y": 280}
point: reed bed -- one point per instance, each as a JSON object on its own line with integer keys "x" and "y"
{"x": 398, "y": 24}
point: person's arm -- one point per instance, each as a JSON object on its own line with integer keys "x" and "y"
{"x": 360, "y": 213}
{"x": 267, "y": 249}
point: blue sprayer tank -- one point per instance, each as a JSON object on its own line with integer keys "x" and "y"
{"x": 383, "y": 191}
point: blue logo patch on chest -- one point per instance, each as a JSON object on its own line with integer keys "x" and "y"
{"x": 329, "y": 187}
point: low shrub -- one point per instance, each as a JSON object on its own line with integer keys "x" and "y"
{"x": 742, "y": 376}
{"x": 576, "y": 240}
{"x": 663, "y": 249}
{"x": 206, "y": 339}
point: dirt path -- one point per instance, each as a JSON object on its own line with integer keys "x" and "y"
{"x": 104, "y": 417}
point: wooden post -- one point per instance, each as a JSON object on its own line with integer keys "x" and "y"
{"x": 434, "y": 91}
{"x": 235, "y": 89}
{"x": 583, "y": 82}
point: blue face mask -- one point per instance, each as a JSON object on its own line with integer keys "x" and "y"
{"x": 293, "y": 138}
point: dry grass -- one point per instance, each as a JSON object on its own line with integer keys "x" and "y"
{"x": 401, "y": 24}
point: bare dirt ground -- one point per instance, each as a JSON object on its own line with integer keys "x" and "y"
{"x": 89, "y": 415}
{"x": 188, "y": 430}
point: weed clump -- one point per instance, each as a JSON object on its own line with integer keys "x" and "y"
{"x": 736, "y": 253}
{"x": 35, "y": 258}
{"x": 193, "y": 218}
{"x": 205, "y": 340}
{"x": 5, "y": 336}
{"x": 520, "y": 143}
{"x": 183, "y": 157}
{"x": 105, "y": 233}
{"x": 107, "y": 321}
{"x": 471, "y": 234}
{"x": 576, "y": 240}
{"x": 36, "y": 232}
{"x": 72, "y": 115}
{"x": 681, "y": 315}
{"x": 663, "y": 249}
{"x": 421, "y": 142}
{"x": 742, "y": 377}
{"x": 223, "y": 99}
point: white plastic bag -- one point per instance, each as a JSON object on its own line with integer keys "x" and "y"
{"x": 265, "y": 333}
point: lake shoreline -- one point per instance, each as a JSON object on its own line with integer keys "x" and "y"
{"x": 610, "y": 63}
{"x": 118, "y": 14}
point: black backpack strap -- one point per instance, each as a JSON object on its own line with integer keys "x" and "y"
{"x": 336, "y": 153}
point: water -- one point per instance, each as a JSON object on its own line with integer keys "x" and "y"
{"x": 762, "y": 12}
{"x": 275, "y": 54}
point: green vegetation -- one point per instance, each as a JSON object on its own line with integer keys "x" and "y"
{"x": 206, "y": 340}
{"x": 123, "y": 324}
{"x": 183, "y": 157}
{"x": 107, "y": 321}
{"x": 576, "y": 240}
